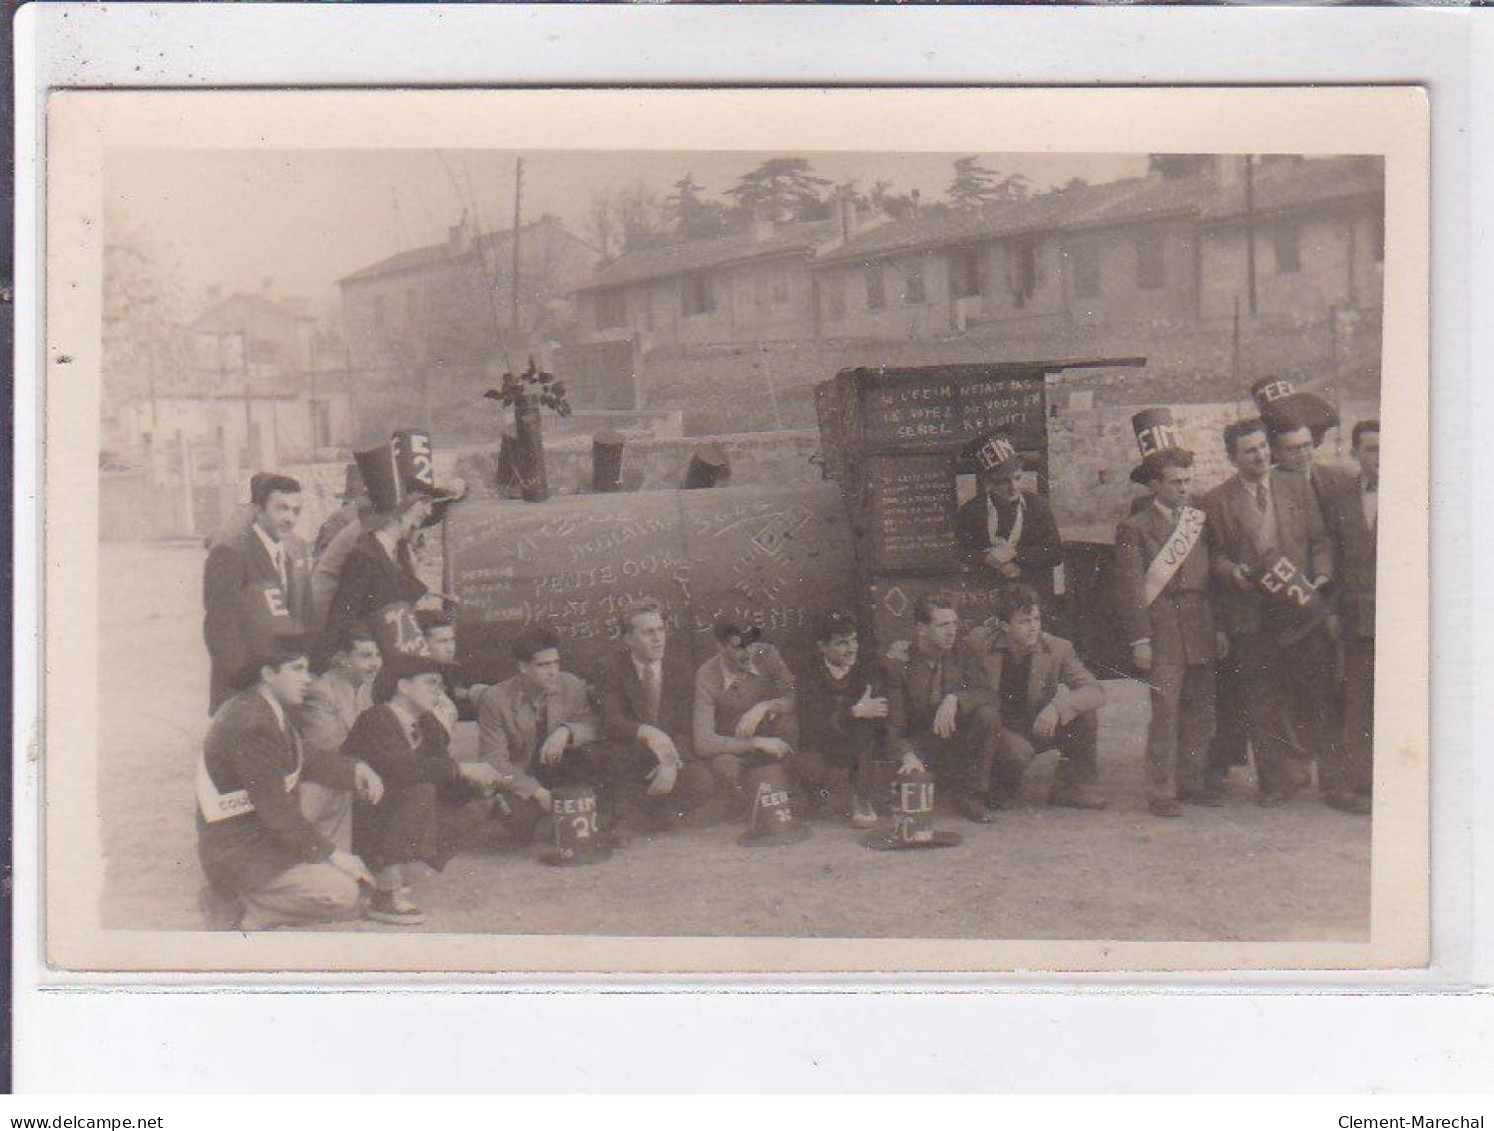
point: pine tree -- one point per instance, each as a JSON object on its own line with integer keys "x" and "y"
{"x": 975, "y": 186}
{"x": 781, "y": 189}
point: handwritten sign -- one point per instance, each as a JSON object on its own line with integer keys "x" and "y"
{"x": 912, "y": 513}
{"x": 949, "y": 405}
{"x": 771, "y": 556}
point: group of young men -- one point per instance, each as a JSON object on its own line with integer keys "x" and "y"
{"x": 328, "y": 776}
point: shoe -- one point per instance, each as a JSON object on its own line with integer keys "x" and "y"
{"x": 1211, "y": 798}
{"x": 863, "y": 816}
{"x": 394, "y": 907}
{"x": 1354, "y": 803}
{"x": 221, "y": 911}
{"x": 1165, "y": 808}
{"x": 1076, "y": 797}
{"x": 972, "y": 808}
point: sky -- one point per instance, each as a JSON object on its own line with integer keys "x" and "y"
{"x": 305, "y": 218}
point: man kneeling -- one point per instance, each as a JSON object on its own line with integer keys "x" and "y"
{"x": 266, "y": 864}
{"x": 1047, "y": 699}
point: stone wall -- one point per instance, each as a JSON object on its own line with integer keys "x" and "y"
{"x": 768, "y": 385}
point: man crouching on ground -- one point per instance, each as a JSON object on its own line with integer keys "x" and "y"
{"x": 421, "y": 817}
{"x": 1045, "y": 698}
{"x": 646, "y": 720}
{"x": 266, "y": 864}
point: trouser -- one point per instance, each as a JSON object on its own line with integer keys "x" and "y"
{"x": 859, "y": 760}
{"x": 1314, "y": 675}
{"x": 1358, "y": 740}
{"x": 421, "y": 822}
{"x": 1266, "y": 670}
{"x": 593, "y": 767}
{"x": 1231, "y": 730}
{"x": 965, "y": 761}
{"x": 1077, "y": 743}
{"x": 303, "y": 893}
{"x": 330, "y": 812}
{"x": 1177, "y": 737}
{"x": 807, "y": 770}
{"x": 632, "y": 765}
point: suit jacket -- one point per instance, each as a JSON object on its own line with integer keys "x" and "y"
{"x": 508, "y": 735}
{"x": 370, "y": 580}
{"x": 378, "y": 738}
{"x": 332, "y": 707}
{"x": 236, "y": 568}
{"x": 625, "y": 705}
{"x": 1056, "y": 674}
{"x": 1180, "y": 622}
{"x": 247, "y": 750}
{"x": 1354, "y": 547}
{"x": 1038, "y": 551}
{"x": 913, "y": 696}
{"x": 1232, "y": 519}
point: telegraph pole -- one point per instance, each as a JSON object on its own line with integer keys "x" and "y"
{"x": 1250, "y": 233}
{"x": 518, "y": 213}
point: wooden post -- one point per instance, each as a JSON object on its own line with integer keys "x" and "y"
{"x": 187, "y": 512}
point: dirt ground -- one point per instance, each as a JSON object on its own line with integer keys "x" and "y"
{"x": 1235, "y": 873}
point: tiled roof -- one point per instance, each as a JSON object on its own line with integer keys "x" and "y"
{"x": 698, "y": 255}
{"x": 1278, "y": 186}
{"x": 441, "y": 252}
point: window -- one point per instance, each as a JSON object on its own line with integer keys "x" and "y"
{"x": 913, "y": 292}
{"x": 1288, "y": 242}
{"x": 835, "y": 297}
{"x": 876, "y": 287}
{"x": 1085, "y": 258}
{"x": 612, "y": 309}
{"x": 697, "y": 295}
{"x": 964, "y": 273}
{"x": 1150, "y": 264}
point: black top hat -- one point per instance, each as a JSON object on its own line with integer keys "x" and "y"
{"x": 1282, "y": 407}
{"x": 1156, "y": 431}
{"x": 574, "y": 839}
{"x": 414, "y": 457}
{"x": 272, "y": 644}
{"x": 398, "y": 666}
{"x": 912, "y": 818}
{"x": 993, "y": 453}
{"x": 771, "y": 819}
{"x": 381, "y": 475}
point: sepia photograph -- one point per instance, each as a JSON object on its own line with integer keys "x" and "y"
{"x": 842, "y": 551}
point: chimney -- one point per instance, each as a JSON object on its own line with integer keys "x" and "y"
{"x": 913, "y": 199}
{"x": 847, "y": 215}
{"x": 458, "y": 235}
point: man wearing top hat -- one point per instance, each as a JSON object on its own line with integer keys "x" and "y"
{"x": 419, "y": 818}
{"x": 380, "y": 567}
{"x": 1258, "y": 519}
{"x": 266, "y": 864}
{"x": 261, "y": 570}
{"x": 1005, "y": 533}
{"x": 646, "y": 722}
{"x": 940, "y": 710}
{"x": 538, "y": 730}
{"x": 1351, "y": 510}
{"x": 744, "y": 713}
{"x": 1163, "y": 600}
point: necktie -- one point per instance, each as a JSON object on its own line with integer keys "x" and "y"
{"x": 651, "y": 686}
{"x": 279, "y": 559}
{"x": 936, "y": 682}
{"x": 1260, "y": 497}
